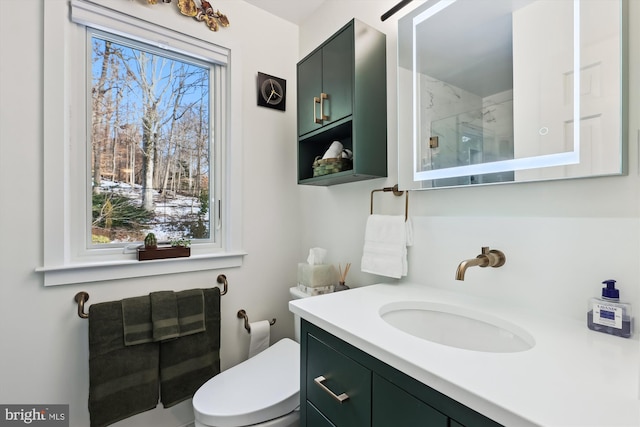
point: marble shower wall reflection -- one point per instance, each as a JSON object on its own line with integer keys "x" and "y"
{"x": 470, "y": 129}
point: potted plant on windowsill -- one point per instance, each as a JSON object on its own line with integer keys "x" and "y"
{"x": 179, "y": 248}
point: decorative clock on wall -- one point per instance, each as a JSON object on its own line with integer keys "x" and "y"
{"x": 272, "y": 91}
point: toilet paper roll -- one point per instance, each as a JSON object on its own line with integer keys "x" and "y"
{"x": 260, "y": 334}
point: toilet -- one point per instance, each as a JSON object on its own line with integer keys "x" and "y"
{"x": 263, "y": 391}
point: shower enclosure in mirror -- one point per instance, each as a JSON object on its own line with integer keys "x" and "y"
{"x": 494, "y": 91}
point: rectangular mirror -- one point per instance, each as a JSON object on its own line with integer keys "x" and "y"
{"x": 496, "y": 91}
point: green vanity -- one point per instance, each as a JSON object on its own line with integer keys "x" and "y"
{"x": 390, "y": 355}
{"x": 375, "y": 394}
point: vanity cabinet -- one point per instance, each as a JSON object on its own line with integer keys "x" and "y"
{"x": 342, "y": 386}
{"x": 392, "y": 406}
{"x": 342, "y": 96}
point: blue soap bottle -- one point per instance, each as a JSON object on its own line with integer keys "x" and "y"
{"x": 608, "y": 314}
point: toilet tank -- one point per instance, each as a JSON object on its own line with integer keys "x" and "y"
{"x": 297, "y": 294}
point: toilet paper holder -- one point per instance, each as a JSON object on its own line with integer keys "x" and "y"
{"x": 242, "y": 314}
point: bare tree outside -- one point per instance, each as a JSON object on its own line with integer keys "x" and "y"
{"x": 150, "y": 140}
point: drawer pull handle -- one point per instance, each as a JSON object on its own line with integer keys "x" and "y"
{"x": 323, "y": 116}
{"x": 341, "y": 398}
{"x": 320, "y": 101}
{"x": 316, "y": 120}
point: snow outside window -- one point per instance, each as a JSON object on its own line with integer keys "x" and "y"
{"x": 136, "y": 141}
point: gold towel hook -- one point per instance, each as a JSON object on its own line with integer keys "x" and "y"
{"x": 242, "y": 314}
{"x": 81, "y": 298}
{"x": 396, "y": 192}
{"x": 222, "y": 279}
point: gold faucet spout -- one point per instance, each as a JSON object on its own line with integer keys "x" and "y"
{"x": 488, "y": 258}
{"x": 480, "y": 261}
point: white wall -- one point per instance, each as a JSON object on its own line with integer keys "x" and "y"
{"x": 44, "y": 356}
{"x": 561, "y": 238}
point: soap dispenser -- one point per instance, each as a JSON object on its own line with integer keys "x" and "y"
{"x": 608, "y": 314}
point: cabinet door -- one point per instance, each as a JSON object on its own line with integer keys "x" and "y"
{"x": 309, "y": 87}
{"x": 393, "y": 406}
{"x": 339, "y": 387}
{"x": 337, "y": 76}
{"x": 315, "y": 418}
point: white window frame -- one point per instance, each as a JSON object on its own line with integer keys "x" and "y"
{"x": 67, "y": 258}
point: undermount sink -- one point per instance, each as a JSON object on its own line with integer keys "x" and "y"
{"x": 455, "y": 326}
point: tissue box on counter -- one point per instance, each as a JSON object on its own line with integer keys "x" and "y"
{"x": 317, "y": 276}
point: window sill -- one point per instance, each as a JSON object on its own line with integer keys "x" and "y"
{"x": 125, "y": 269}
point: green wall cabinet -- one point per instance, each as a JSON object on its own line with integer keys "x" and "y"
{"x": 325, "y": 85}
{"x": 342, "y": 96}
{"x": 341, "y": 386}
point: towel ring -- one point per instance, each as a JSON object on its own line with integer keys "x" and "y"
{"x": 396, "y": 192}
{"x": 242, "y": 314}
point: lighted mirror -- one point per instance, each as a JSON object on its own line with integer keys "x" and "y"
{"x": 497, "y": 91}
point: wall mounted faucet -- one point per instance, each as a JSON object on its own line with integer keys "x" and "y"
{"x": 488, "y": 258}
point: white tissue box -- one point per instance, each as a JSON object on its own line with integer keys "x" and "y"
{"x": 316, "y": 291}
{"x": 317, "y": 276}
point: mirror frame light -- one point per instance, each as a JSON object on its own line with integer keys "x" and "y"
{"x": 558, "y": 159}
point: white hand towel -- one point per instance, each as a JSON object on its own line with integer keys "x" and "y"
{"x": 409, "y": 228}
{"x": 385, "y": 245}
{"x": 334, "y": 151}
{"x": 260, "y": 335}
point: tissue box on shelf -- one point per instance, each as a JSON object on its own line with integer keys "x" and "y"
{"x": 317, "y": 276}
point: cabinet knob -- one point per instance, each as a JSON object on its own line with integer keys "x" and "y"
{"x": 340, "y": 398}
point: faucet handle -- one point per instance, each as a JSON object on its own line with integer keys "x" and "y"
{"x": 496, "y": 258}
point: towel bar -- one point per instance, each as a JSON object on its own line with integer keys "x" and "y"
{"x": 222, "y": 279}
{"x": 396, "y": 192}
{"x": 243, "y": 315}
{"x": 82, "y": 297}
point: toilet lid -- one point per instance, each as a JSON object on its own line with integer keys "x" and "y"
{"x": 259, "y": 389}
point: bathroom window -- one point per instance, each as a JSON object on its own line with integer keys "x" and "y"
{"x": 152, "y": 154}
{"x": 136, "y": 140}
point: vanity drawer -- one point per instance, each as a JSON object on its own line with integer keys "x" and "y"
{"x": 393, "y": 406}
{"x": 315, "y": 418}
{"x": 338, "y": 386}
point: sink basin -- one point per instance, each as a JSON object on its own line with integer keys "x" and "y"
{"x": 458, "y": 327}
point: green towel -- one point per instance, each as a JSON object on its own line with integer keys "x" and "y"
{"x": 126, "y": 365}
{"x": 123, "y": 380}
{"x": 190, "y": 311}
{"x": 164, "y": 315}
{"x": 136, "y": 320}
{"x": 190, "y": 361}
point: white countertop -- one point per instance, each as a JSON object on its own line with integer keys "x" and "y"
{"x": 571, "y": 377}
